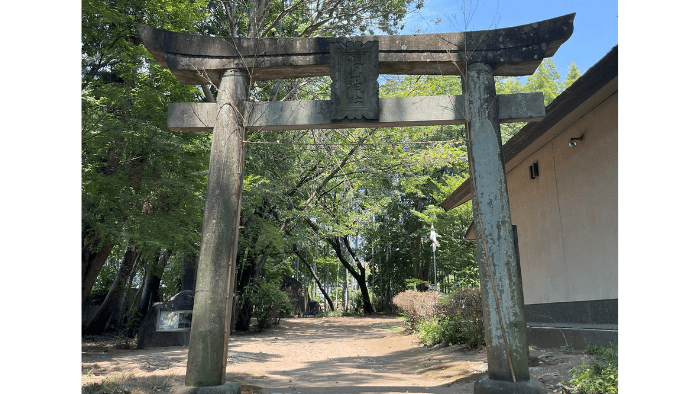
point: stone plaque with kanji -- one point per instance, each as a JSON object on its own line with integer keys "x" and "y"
{"x": 354, "y": 72}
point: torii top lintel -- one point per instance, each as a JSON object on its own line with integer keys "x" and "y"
{"x": 512, "y": 51}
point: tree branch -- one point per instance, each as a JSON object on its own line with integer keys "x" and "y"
{"x": 313, "y": 274}
{"x": 281, "y": 15}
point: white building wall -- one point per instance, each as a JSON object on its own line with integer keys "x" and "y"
{"x": 567, "y": 217}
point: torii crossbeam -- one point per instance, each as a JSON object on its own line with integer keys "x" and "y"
{"x": 476, "y": 56}
{"x": 513, "y": 51}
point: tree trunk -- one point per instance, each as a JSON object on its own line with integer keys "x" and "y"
{"x": 387, "y": 297}
{"x": 127, "y": 296}
{"x": 313, "y": 273}
{"x": 361, "y": 279}
{"x": 245, "y": 275}
{"x": 189, "y": 271}
{"x": 259, "y": 266}
{"x": 150, "y": 289}
{"x": 244, "y": 306}
{"x": 93, "y": 260}
{"x": 367, "y": 306}
{"x": 103, "y": 319}
{"x": 335, "y": 243}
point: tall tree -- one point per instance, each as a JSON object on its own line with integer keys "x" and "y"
{"x": 274, "y": 193}
{"x": 150, "y": 287}
{"x": 129, "y": 155}
{"x": 315, "y": 276}
{"x": 108, "y": 316}
{"x": 140, "y": 181}
{"x": 143, "y": 183}
{"x": 545, "y": 79}
{"x": 572, "y": 74}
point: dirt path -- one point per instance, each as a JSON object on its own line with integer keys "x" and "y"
{"x": 317, "y": 355}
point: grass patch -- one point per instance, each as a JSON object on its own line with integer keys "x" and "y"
{"x": 598, "y": 377}
{"x": 126, "y": 383}
{"x": 392, "y": 327}
{"x": 337, "y": 314}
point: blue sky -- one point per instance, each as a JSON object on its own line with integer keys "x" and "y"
{"x": 595, "y": 25}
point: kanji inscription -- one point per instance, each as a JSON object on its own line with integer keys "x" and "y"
{"x": 354, "y": 72}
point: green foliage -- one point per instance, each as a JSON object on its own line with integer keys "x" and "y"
{"x": 412, "y": 283}
{"x": 600, "y": 376}
{"x": 452, "y": 331}
{"x": 269, "y": 302}
{"x": 108, "y": 273}
{"x": 431, "y": 331}
{"x": 142, "y": 184}
{"x": 311, "y": 18}
{"x": 465, "y": 278}
{"x": 455, "y": 319}
{"x": 460, "y": 323}
{"x": 170, "y": 280}
{"x": 572, "y": 74}
{"x": 545, "y": 79}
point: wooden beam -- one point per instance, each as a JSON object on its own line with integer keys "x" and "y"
{"x": 393, "y": 112}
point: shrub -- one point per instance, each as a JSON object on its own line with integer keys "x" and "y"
{"x": 419, "y": 306}
{"x": 269, "y": 303}
{"x": 452, "y": 331}
{"x": 465, "y": 303}
{"x": 598, "y": 377}
{"x": 461, "y": 323}
{"x": 431, "y": 332}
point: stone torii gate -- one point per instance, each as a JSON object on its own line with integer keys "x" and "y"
{"x": 354, "y": 65}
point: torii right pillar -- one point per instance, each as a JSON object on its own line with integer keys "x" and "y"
{"x": 501, "y": 284}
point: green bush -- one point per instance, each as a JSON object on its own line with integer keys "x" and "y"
{"x": 461, "y": 322}
{"x": 452, "y": 331}
{"x": 431, "y": 332}
{"x": 452, "y": 320}
{"x": 269, "y": 303}
{"x": 598, "y": 377}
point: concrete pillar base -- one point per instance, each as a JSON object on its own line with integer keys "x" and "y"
{"x": 227, "y": 388}
{"x": 490, "y": 386}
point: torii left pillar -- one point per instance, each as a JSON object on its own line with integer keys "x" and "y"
{"x": 213, "y": 301}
